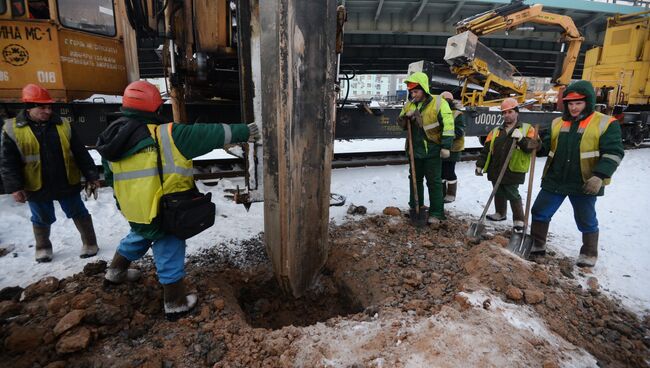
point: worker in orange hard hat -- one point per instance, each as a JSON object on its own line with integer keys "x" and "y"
{"x": 449, "y": 178}
{"x": 42, "y": 160}
{"x": 145, "y": 154}
{"x": 493, "y": 158}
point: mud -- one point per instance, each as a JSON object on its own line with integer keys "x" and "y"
{"x": 389, "y": 296}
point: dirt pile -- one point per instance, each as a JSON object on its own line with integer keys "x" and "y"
{"x": 389, "y": 296}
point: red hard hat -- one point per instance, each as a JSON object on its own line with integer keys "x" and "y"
{"x": 143, "y": 96}
{"x": 509, "y": 104}
{"x": 36, "y": 94}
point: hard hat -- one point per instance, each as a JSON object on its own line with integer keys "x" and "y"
{"x": 574, "y": 96}
{"x": 33, "y": 93}
{"x": 509, "y": 104}
{"x": 447, "y": 95}
{"x": 143, "y": 96}
{"x": 411, "y": 85}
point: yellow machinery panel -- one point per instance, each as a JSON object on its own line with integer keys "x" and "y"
{"x": 624, "y": 43}
{"x": 70, "y": 64}
{"x": 592, "y": 56}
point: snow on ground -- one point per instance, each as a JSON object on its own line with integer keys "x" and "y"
{"x": 622, "y": 269}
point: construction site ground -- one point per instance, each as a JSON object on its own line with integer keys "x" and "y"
{"x": 391, "y": 295}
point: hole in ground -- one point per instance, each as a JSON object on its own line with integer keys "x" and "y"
{"x": 266, "y": 306}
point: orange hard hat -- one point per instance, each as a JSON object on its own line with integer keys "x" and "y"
{"x": 447, "y": 95}
{"x": 33, "y": 93}
{"x": 143, "y": 96}
{"x": 573, "y": 96}
{"x": 411, "y": 85}
{"x": 509, "y": 104}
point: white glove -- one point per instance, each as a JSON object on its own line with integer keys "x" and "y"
{"x": 410, "y": 114}
{"x": 479, "y": 171}
{"x": 592, "y": 185}
{"x": 516, "y": 134}
{"x": 444, "y": 153}
{"x": 253, "y": 132}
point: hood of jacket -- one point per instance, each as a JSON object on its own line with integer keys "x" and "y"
{"x": 582, "y": 87}
{"x": 125, "y": 133}
{"x": 421, "y": 79}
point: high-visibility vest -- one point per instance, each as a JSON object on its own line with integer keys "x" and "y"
{"x": 30, "y": 152}
{"x": 459, "y": 142}
{"x": 520, "y": 160}
{"x": 136, "y": 182}
{"x": 433, "y": 129}
{"x": 591, "y": 128}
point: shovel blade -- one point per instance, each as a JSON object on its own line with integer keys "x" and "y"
{"x": 475, "y": 230}
{"x": 520, "y": 244}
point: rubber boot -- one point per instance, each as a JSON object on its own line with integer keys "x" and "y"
{"x": 517, "y": 216}
{"x": 589, "y": 250}
{"x": 444, "y": 188}
{"x": 501, "y": 208}
{"x": 539, "y": 231}
{"x": 118, "y": 272}
{"x": 450, "y": 194}
{"x": 177, "y": 301}
{"x": 43, "y": 245}
{"x": 85, "y": 226}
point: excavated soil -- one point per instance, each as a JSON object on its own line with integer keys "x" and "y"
{"x": 389, "y": 296}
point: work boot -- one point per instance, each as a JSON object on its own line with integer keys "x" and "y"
{"x": 85, "y": 226}
{"x": 119, "y": 271}
{"x": 444, "y": 187}
{"x": 177, "y": 301}
{"x": 517, "y": 216}
{"x": 43, "y": 245}
{"x": 539, "y": 231}
{"x": 589, "y": 251}
{"x": 450, "y": 194}
{"x": 501, "y": 208}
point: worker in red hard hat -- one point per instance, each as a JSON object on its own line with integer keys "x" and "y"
{"x": 143, "y": 155}
{"x": 43, "y": 160}
{"x": 493, "y": 158}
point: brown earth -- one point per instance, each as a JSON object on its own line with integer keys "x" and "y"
{"x": 390, "y": 296}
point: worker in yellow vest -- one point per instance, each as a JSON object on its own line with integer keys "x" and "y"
{"x": 131, "y": 148}
{"x": 449, "y": 178}
{"x": 42, "y": 160}
{"x": 493, "y": 157}
{"x": 584, "y": 149}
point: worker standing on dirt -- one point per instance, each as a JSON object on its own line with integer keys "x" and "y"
{"x": 449, "y": 178}
{"x": 131, "y": 153}
{"x": 42, "y": 160}
{"x": 493, "y": 157}
{"x": 584, "y": 149}
{"x": 432, "y": 134}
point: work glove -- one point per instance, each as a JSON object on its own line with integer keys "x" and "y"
{"x": 592, "y": 185}
{"x": 91, "y": 189}
{"x": 444, "y": 153}
{"x": 253, "y": 132}
{"x": 19, "y": 196}
{"x": 478, "y": 171}
{"x": 516, "y": 134}
{"x": 410, "y": 114}
{"x": 417, "y": 117}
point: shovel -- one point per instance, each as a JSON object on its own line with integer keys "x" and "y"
{"x": 419, "y": 219}
{"x": 476, "y": 228}
{"x": 521, "y": 243}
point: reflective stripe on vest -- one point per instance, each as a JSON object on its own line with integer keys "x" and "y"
{"x": 590, "y": 130}
{"x": 30, "y": 153}
{"x": 520, "y": 160}
{"x": 136, "y": 181}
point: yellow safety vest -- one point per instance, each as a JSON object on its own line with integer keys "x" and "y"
{"x": 432, "y": 128}
{"x": 459, "y": 143}
{"x": 30, "y": 152}
{"x": 591, "y": 129}
{"x": 136, "y": 182}
{"x": 520, "y": 160}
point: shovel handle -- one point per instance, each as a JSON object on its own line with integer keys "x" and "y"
{"x": 531, "y": 176}
{"x": 412, "y": 163}
{"x": 498, "y": 182}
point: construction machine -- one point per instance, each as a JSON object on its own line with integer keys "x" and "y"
{"x": 475, "y": 63}
{"x": 274, "y": 60}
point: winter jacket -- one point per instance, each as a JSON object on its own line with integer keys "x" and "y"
{"x": 458, "y": 144}
{"x": 54, "y": 180}
{"x": 130, "y": 135}
{"x": 563, "y": 173}
{"x": 502, "y": 144}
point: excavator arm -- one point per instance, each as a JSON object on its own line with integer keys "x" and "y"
{"x": 512, "y": 15}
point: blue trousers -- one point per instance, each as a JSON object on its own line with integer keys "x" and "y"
{"x": 168, "y": 254}
{"x": 584, "y": 209}
{"x": 43, "y": 211}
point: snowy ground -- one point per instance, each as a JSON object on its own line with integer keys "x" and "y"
{"x": 622, "y": 269}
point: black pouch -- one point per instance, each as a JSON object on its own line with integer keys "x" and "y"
{"x": 185, "y": 214}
